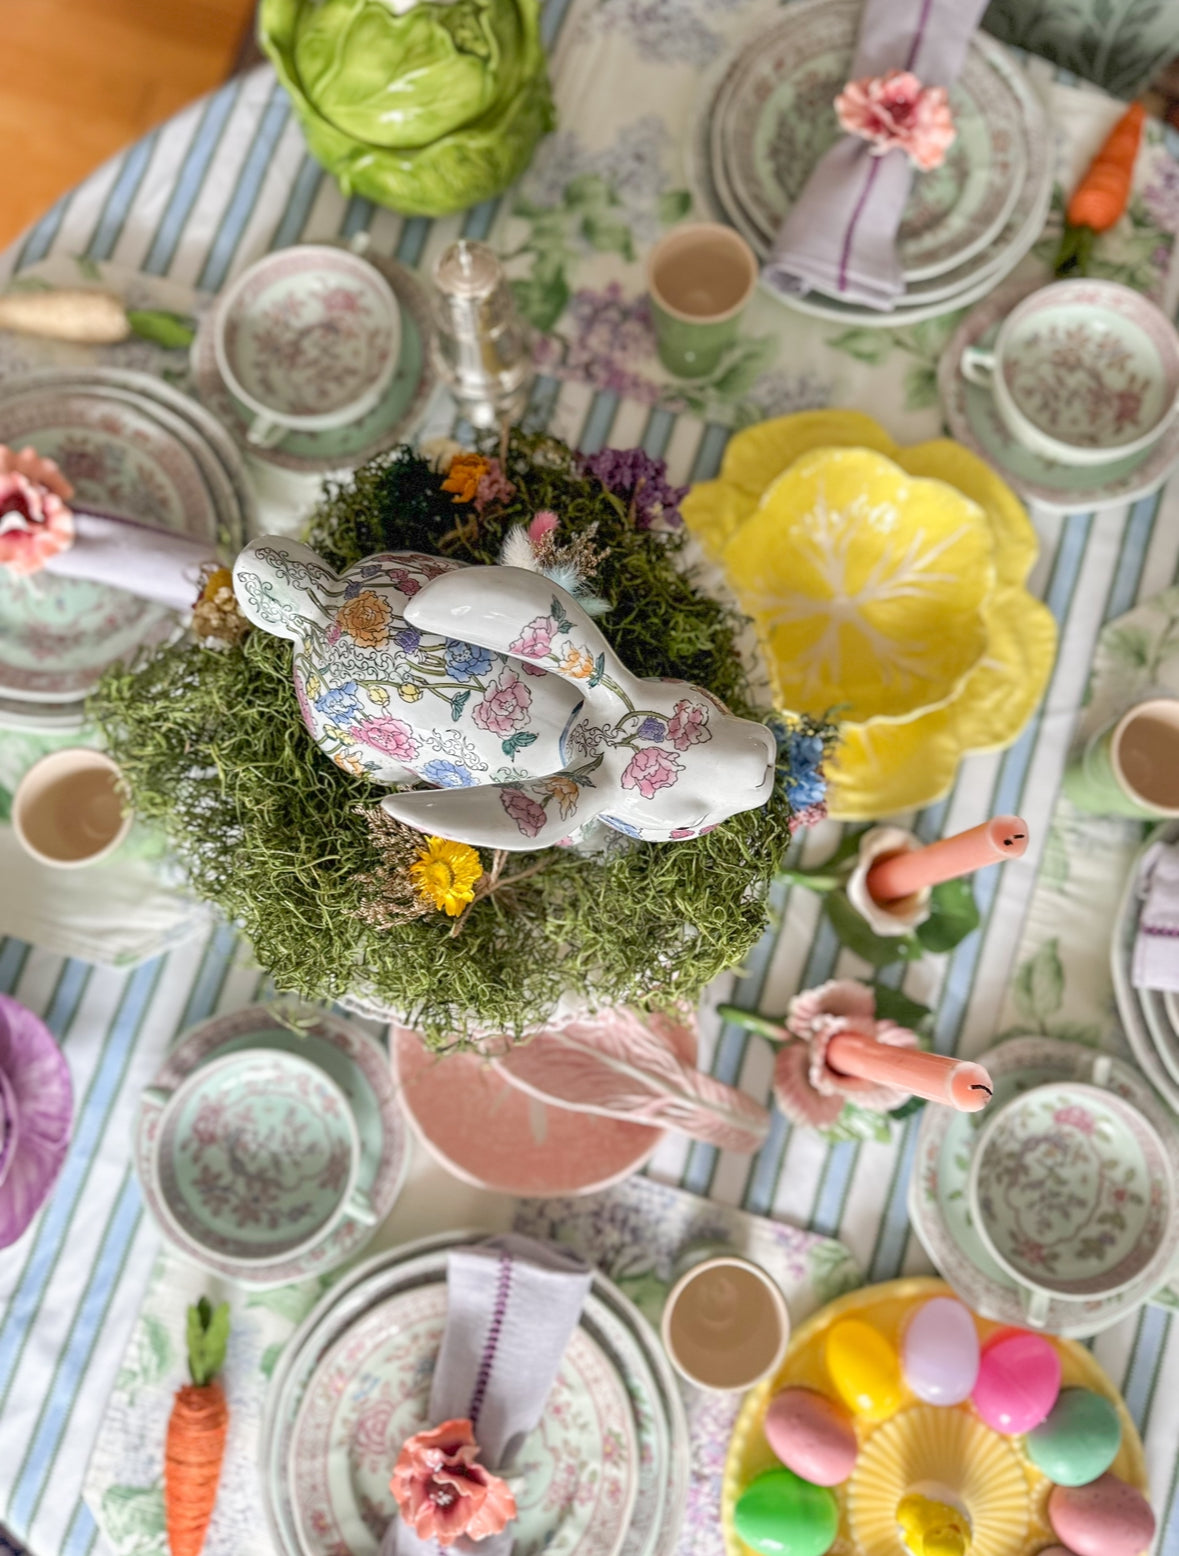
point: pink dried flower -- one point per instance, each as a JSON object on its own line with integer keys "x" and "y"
{"x": 895, "y": 111}
{"x": 493, "y": 486}
{"x": 543, "y": 524}
{"x": 35, "y": 523}
{"x": 442, "y": 1493}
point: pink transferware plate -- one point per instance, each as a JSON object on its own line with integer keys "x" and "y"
{"x": 575, "y": 1478}
{"x": 36, "y": 1111}
{"x": 490, "y": 1133}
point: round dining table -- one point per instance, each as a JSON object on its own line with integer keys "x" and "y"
{"x": 190, "y": 206}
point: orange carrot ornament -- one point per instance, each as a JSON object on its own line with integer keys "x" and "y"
{"x": 1102, "y": 195}
{"x": 195, "y": 1444}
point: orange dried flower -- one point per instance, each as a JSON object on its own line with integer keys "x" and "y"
{"x": 464, "y": 475}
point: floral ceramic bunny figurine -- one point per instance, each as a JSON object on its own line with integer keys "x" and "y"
{"x": 494, "y": 685}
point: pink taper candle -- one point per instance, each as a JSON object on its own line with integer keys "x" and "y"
{"x": 935, "y": 1077}
{"x": 903, "y": 875}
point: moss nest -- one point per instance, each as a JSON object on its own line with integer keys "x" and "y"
{"x": 215, "y": 754}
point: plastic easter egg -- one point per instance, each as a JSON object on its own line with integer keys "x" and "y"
{"x": 1018, "y": 1381}
{"x": 864, "y": 1368}
{"x": 812, "y": 1435}
{"x": 1079, "y": 1439}
{"x": 939, "y": 1355}
{"x": 1105, "y": 1518}
{"x": 780, "y": 1514}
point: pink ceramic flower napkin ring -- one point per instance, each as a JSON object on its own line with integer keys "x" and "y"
{"x": 895, "y": 112}
{"x": 35, "y": 521}
{"x": 442, "y": 1493}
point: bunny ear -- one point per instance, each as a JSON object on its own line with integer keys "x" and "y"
{"x": 518, "y": 817}
{"x": 276, "y": 581}
{"x": 514, "y": 612}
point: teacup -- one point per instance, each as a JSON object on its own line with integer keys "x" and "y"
{"x": 67, "y": 810}
{"x": 700, "y": 278}
{"x": 1131, "y": 767}
{"x": 1082, "y": 372}
{"x": 1070, "y": 1190}
{"x": 725, "y": 1324}
{"x": 257, "y": 1158}
{"x": 307, "y": 339}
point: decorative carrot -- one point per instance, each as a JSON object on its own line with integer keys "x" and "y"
{"x": 195, "y": 1444}
{"x": 1103, "y": 194}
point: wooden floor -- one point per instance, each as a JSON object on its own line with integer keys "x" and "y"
{"x": 82, "y": 78}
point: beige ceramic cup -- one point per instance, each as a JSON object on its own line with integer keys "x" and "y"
{"x": 726, "y": 1324}
{"x": 700, "y": 278}
{"x": 67, "y": 810}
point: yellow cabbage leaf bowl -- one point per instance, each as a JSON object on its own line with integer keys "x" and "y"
{"x": 887, "y": 584}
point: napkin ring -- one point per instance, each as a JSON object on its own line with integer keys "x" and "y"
{"x": 894, "y": 112}
{"x": 442, "y": 1493}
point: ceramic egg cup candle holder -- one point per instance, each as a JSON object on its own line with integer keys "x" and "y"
{"x": 897, "y": 1412}
{"x": 1071, "y": 1190}
{"x": 1082, "y": 372}
{"x": 258, "y": 1159}
{"x": 307, "y": 340}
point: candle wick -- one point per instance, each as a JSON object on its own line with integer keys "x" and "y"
{"x": 978, "y": 1086}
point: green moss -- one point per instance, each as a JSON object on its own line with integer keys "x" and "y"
{"x": 267, "y": 828}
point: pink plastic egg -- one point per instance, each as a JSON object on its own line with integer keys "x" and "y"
{"x": 812, "y": 1435}
{"x": 1018, "y": 1381}
{"x": 939, "y": 1355}
{"x": 1105, "y": 1518}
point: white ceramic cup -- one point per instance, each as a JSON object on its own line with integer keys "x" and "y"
{"x": 67, "y": 811}
{"x": 307, "y": 339}
{"x": 725, "y": 1324}
{"x": 348, "y": 1199}
{"x": 1082, "y": 372}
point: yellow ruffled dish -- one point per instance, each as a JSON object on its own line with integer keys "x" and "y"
{"x": 910, "y": 717}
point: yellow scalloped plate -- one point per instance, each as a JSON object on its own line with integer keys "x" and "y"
{"x": 893, "y": 764}
{"x": 866, "y": 584}
{"x": 919, "y": 1439}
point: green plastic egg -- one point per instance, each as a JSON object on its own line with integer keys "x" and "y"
{"x": 1079, "y": 1439}
{"x": 780, "y": 1514}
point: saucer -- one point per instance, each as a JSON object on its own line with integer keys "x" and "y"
{"x": 938, "y": 1203}
{"x": 38, "y": 1114}
{"x": 257, "y": 1157}
{"x": 343, "y": 448}
{"x": 975, "y": 422}
{"x": 1070, "y": 1189}
{"x": 358, "y": 1066}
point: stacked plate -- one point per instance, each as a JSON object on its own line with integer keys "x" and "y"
{"x": 604, "y": 1474}
{"x": 769, "y": 116}
{"x": 1150, "y": 1016}
{"x": 940, "y": 1192}
{"x": 129, "y": 444}
{"x": 268, "y": 1154}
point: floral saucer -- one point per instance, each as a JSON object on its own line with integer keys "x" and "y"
{"x": 488, "y": 1132}
{"x": 939, "y": 1205}
{"x": 575, "y": 1476}
{"x": 357, "y": 1065}
{"x": 36, "y": 1112}
{"x": 975, "y": 421}
{"x": 387, "y": 424}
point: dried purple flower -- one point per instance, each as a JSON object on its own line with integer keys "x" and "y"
{"x": 633, "y": 475}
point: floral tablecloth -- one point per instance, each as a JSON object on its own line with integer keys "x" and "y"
{"x": 205, "y": 194}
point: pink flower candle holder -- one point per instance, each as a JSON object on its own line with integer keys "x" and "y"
{"x": 885, "y": 918}
{"x": 806, "y": 1088}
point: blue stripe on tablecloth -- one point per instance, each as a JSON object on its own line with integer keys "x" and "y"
{"x": 358, "y": 215}
{"x": 542, "y": 399}
{"x": 191, "y": 178}
{"x": 306, "y": 186}
{"x": 118, "y": 202}
{"x": 89, "y": 1124}
{"x": 82, "y": 1532}
{"x": 412, "y": 242}
{"x": 657, "y": 435}
{"x": 709, "y": 452}
{"x": 1139, "y": 1382}
{"x": 478, "y": 221}
{"x": 599, "y": 421}
{"x": 40, "y": 238}
{"x": 76, "y": 1355}
{"x": 552, "y": 19}
{"x": 12, "y": 961}
{"x": 245, "y": 195}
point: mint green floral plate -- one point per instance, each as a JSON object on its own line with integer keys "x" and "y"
{"x": 1070, "y": 1189}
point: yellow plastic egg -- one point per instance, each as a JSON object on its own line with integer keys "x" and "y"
{"x": 864, "y": 1368}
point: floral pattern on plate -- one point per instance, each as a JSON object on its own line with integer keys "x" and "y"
{"x": 359, "y": 1067}
{"x": 1072, "y": 1190}
{"x": 60, "y": 634}
{"x": 257, "y": 1155}
{"x": 577, "y": 1472}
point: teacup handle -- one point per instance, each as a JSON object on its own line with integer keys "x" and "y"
{"x": 360, "y": 1208}
{"x": 1035, "y": 1307}
{"x": 264, "y": 433}
{"x": 159, "y": 1096}
{"x": 978, "y": 366}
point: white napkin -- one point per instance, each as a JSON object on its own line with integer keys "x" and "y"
{"x": 1155, "y": 963}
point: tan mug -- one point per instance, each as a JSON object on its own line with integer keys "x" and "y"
{"x": 1131, "y": 768}
{"x": 68, "y": 810}
{"x": 700, "y": 278}
{"x": 725, "y": 1324}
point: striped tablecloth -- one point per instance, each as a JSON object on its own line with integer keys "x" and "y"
{"x": 205, "y": 194}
